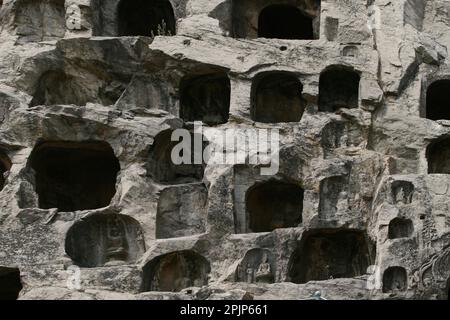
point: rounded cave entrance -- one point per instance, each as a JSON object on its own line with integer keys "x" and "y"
{"x": 146, "y": 18}
{"x": 175, "y": 271}
{"x": 105, "y": 239}
{"x": 73, "y": 176}
{"x": 205, "y": 98}
{"x": 400, "y": 228}
{"x": 274, "y": 19}
{"x": 274, "y": 204}
{"x": 281, "y": 21}
{"x": 330, "y": 254}
{"x": 277, "y": 97}
{"x": 189, "y": 149}
{"x": 338, "y": 88}
{"x": 395, "y": 279}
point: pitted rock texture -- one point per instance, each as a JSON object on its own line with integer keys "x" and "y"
{"x": 91, "y": 207}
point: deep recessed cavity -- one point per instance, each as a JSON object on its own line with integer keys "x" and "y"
{"x": 5, "y": 166}
{"x": 330, "y": 254}
{"x": 59, "y": 88}
{"x": 187, "y": 165}
{"x": 258, "y": 266}
{"x": 277, "y": 97}
{"x": 437, "y": 102}
{"x": 181, "y": 211}
{"x": 285, "y": 22}
{"x": 395, "y": 279}
{"x": 44, "y": 21}
{"x": 338, "y": 88}
{"x": 402, "y": 192}
{"x": 105, "y": 240}
{"x": 146, "y": 18}
{"x": 74, "y": 176}
{"x": 176, "y": 271}
{"x": 10, "y": 284}
{"x": 205, "y": 98}
{"x": 291, "y": 19}
{"x": 438, "y": 156}
{"x": 400, "y": 228}
{"x": 272, "y": 205}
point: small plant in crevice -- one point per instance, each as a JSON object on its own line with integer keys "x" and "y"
{"x": 162, "y": 30}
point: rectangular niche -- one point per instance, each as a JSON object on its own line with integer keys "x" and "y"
{"x": 181, "y": 211}
{"x": 265, "y": 203}
{"x": 333, "y": 196}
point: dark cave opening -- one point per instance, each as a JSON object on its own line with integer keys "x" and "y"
{"x": 395, "y": 279}
{"x": 338, "y": 88}
{"x": 437, "y": 104}
{"x": 74, "y": 176}
{"x": 142, "y": 18}
{"x": 10, "y": 284}
{"x": 400, "y": 228}
{"x": 277, "y": 97}
{"x": 161, "y": 167}
{"x": 205, "y": 98}
{"x": 281, "y": 21}
{"x": 330, "y": 254}
{"x": 438, "y": 156}
{"x": 274, "y": 204}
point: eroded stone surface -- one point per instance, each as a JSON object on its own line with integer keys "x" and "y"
{"x": 365, "y": 149}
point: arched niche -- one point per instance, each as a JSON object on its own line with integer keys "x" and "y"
{"x": 330, "y": 254}
{"x": 257, "y": 266}
{"x": 161, "y": 167}
{"x": 400, "y": 228}
{"x": 277, "y": 97}
{"x": 146, "y": 18}
{"x": 395, "y": 279}
{"x": 338, "y": 88}
{"x": 175, "y": 271}
{"x": 438, "y": 156}
{"x": 283, "y": 21}
{"x": 274, "y": 204}
{"x": 205, "y": 98}
{"x": 73, "y": 176}
{"x": 402, "y": 192}
{"x": 105, "y": 239}
{"x": 287, "y": 19}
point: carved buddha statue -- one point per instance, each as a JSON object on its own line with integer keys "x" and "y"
{"x": 116, "y": 248}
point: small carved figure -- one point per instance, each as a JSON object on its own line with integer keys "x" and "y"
{"x": 264, "y": 272}
{"x": 116, "y": 242}
{"x": 250, "y": 273}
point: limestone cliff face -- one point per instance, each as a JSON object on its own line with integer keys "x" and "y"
{"x": 92, "y": 207}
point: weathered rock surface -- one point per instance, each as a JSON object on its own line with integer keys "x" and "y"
{"x": 91, "y": 207}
